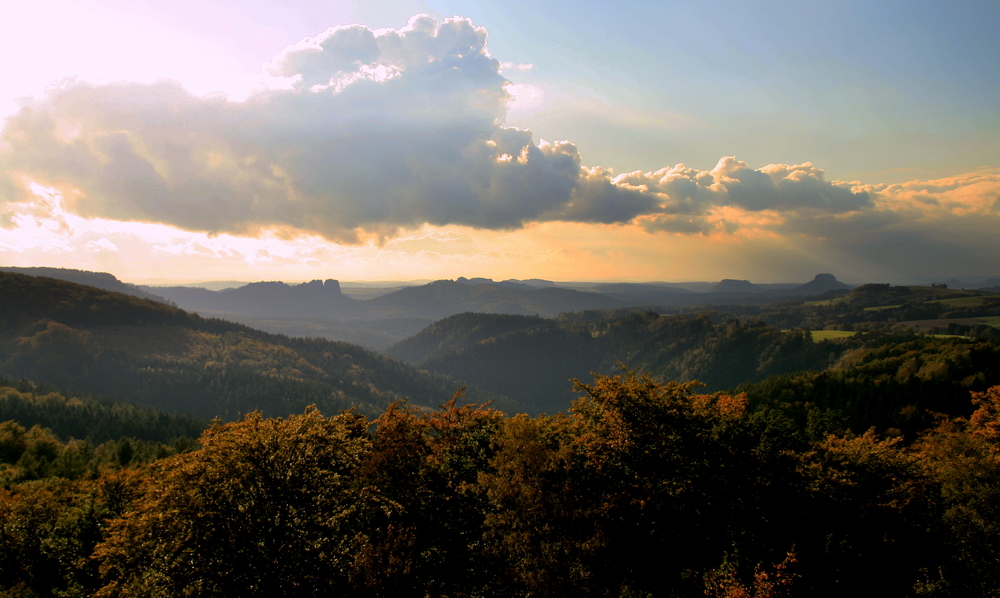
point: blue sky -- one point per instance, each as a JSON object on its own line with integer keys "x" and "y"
{"x": 866, "y": 139}
{"x": 877, "y": 89}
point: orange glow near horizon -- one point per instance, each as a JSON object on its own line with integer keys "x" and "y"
{"x": 41, "y": 231}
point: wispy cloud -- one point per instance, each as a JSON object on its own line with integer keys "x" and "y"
{"x": 515, "y": 66}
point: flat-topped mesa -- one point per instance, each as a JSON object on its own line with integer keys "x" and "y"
{"x": 729, "y": 285}
{"x": 472, "y": 281}
{"x": 325, "y": 287}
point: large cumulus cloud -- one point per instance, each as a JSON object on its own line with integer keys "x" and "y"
{"x": 383, "y": 129}
{"x": 380, "y": 130}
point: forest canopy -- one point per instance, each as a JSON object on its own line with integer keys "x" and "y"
{"x": 642, "y": 489}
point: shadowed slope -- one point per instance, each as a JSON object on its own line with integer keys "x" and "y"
{"x": 88, "y": 339}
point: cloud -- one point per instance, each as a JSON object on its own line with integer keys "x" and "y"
{"x": 523, "y": 98}
{"x": 514, "y": 66}
{"x": 382, "y": 130}
{"x": 379, "y": 132}
{"x": 598, "y": 198}
{"x": 102, "y": 244}
{"x": 942, "y": 225}
{"x": 689, "y": 200}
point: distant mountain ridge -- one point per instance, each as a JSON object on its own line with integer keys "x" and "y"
{"x": 513, "y": 284}
{"x": 530, "y": 359}
{"x": 439, "y": 299}
{"x": 320, "y": 308}
{"x": 86, "y": 338}
{"x": 317, "y": 298}
{"x": 821, "y": 284}
{"x": 444, "y": 298}
{"x": 729, "y": 285}
{"x": 986, "y": 284}
{"x": 324, "y": 299}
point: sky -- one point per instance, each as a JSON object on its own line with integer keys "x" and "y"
{"x": 632, "y": 141}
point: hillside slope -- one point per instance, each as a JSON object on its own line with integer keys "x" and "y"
{"x": 101, "y": 280}
{"x": 87, "y": 339}
{"x": 532, "y": 360}
{"x": 99, "y": 420}
{"x": 534, "y": 363}
{"x": 453, "y": 333}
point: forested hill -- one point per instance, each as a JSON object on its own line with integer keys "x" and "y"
{"x": 871, "y": 379}
{"x": 533, "y": 360}
{"x": 454, "y": 333}
{"x": 89, "y": 340}
{"x": 88, "y": 417}
{"x": 26, "y": 299}
{"x": 101, "y": 280}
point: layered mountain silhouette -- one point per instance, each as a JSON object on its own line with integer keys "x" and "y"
{"x": 319, "y": 308}
{"x": 443, "y": 298}
{"x": 439, "y": 299}
{"x": 529, "y": 359}
{"x": 992, "y": 283}
{"x": 521, "y": 343}
{"x": 532, "y": 359}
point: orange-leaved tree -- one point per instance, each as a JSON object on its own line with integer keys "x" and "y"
{"x": 267, "y": 507}
{"x": 963, "y": 458}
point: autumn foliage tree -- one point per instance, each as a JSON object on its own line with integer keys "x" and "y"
{"x": 267, "y": 507}
{"x": 963, "y": 458}
{"x": 641, "y": 485}
{"x": 427, "y": 466}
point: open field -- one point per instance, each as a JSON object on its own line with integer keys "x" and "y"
{"x": 964, "y": 301}
{"x": 822, "y": 335}
{"x": 824, "y": 302}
